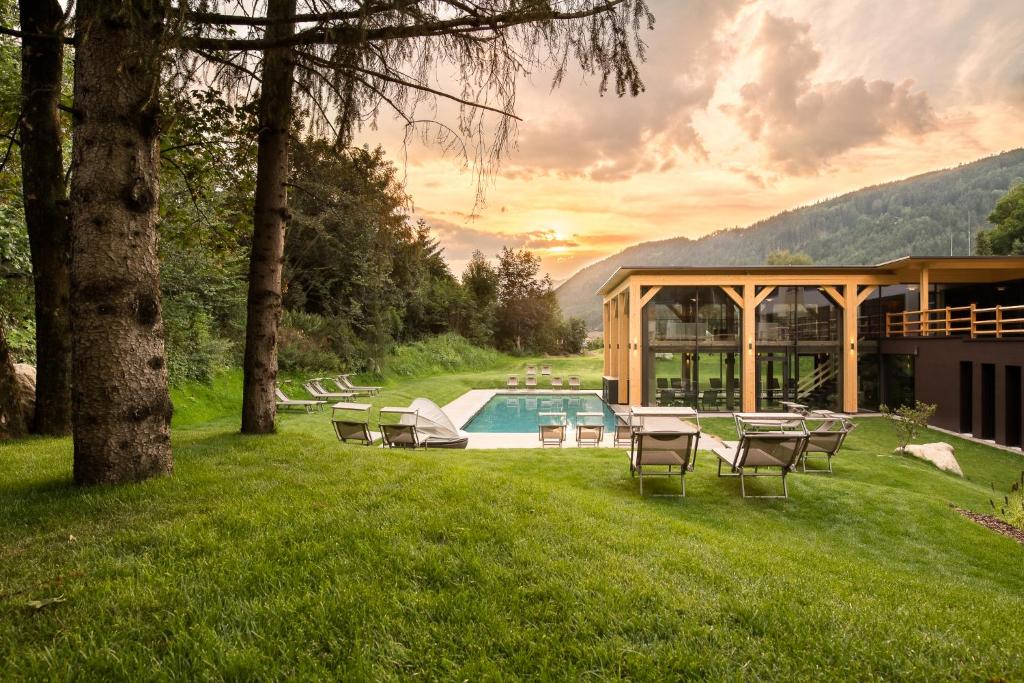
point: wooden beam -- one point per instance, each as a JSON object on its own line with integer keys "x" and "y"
{"x": 749, "y": 350}
{"x": 922, "y": 294}
{"x": 848, "y": 348}
{"x": 762, "y": 295}
{"x": 733, "y": 294}
{"x": 651, "y": 293}
{"x": 636, "y": 363}
{"x": 836, "y": 296}
{"x": 865, "y": 293}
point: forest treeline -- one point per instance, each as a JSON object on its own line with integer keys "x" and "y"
{"x": 927, "y": 215}
{"x": 359, "y": 274}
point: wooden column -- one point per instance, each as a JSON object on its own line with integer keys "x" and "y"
{"x": 749, "y": 350}
{"x": 636, "y": 364}
{"x": 623, "y": 352}
{"x": 923, "y": 297}
{"x": 613, "y": 337}
{"x": 605, "y": 334}
{"x": 849, "y": 347}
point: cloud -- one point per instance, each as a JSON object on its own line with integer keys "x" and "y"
{"x": 803, "y": 124}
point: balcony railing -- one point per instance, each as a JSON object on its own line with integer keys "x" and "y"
{"x": 997, "y": 321}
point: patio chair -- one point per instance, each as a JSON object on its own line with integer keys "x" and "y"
{"x": 574, "y": 382}
{"x": 711, "y": 399}
{"x": 715, "y": 382}
{"x": 283, "y": 402}
{"x": 677, "y": 382}
{"x": 551, "y": 434}
{"x": 775, "y": 450}
{"x": 662, "y": 383}
{"x": 402, "y": 434}
{"x": 531, "y": 381}
{"x": 349, "y": 428}
{"x": 556, "y": 382}
{"x": 345, "y": 384}
{"x": 545, "y": 369}
{"x": 623, "y": 435}
{"x": 512, "y": 382}
{"x": 667, "y": 397}
{"x": 531, "y": 369}
{"x": 825, "y": 440}
{"x": 317, "y": 391}
{"x": 663, "y": 454}
{"x": 589, "y": 429}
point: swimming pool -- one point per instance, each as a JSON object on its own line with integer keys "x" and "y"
{"x": 519, "y": 414}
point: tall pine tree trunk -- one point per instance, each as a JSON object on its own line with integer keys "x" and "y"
{"x": 46, "y": 214}
{"x": 270, "y": 218}
{"x": 121, "y": 405}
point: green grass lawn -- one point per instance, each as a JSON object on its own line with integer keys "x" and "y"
{"x": 293, "y": 556}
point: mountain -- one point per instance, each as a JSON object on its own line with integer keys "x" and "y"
{"x": 912, "y": 217}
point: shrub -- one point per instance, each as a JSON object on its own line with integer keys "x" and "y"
{"x": 909, "y": 421}
{"x": 444, "y": 353}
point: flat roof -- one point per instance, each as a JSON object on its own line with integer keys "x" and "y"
{"x": 900, "y": 264}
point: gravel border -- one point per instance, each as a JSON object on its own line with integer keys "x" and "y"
{"x": 993, "y": 523}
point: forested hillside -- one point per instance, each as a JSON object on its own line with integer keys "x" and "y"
{"x": 914, "y": 217}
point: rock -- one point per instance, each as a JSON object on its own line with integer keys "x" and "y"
{"x": 25, "y": 375}
{"x": 939, "y": 454}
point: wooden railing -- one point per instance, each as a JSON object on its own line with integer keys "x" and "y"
{"x": 997, "y": 321}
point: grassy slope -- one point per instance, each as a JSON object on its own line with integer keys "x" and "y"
{"x": 292, "y": 555}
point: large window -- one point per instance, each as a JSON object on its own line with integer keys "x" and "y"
{"x": 691, "y": 349}
{"x": 798, "y": 359}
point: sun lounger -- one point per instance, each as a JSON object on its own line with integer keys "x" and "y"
{"x": 663, "y": 454}
{"x": 553, "y": 433}
{"x": 402, "y": 434}
{"x": 512, "y": 382}
{"x": 826, "y": 438}
{"x": 430, "y": 427}
{"x": 354, "y": 423}
{"x": 623, "y": 433}
{"x": 345, "y": 384}
{"x": 545, "y": 369}
{"x": 531, "y": 369}
{"x": 574, "y": 382}
{"x": 531, "y": 381}
{"x": 779, "y": 449}
{"x": 589, "y": 429}
{"x": 283, "y": 402}
{"x": 316, "y": 390}
{"x": 556, "y": 382}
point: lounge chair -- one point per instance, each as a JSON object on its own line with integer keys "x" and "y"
{"x": 623, "y": 434}
{"x": 345, "y": 384}
{"x": 574, "y": 382}
{"x": 589, "y": 429}
{"x": 531, "y": 369}
{"x": 556, "y": 382}
{"x": 551, "y": 434}
{"x": 756, "y": 450}
{"x": 317, "y": 391}
{"x": 512, "y": 382}
{"x": 283, "y": 402}
{"x": 825, "y": 439}
{"x": 531, "y": 381}
{"x": 351, "y": 428}
{"x": 430, "y": 427}
{"x": 545, "y": 369}
{"x": 663, "y": 454}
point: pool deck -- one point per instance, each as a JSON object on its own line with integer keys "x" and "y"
{"x": 466, "y": 406}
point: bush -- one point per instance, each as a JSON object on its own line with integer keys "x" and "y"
{"x": 310, "y": 342}
{"x": 444, "y": 353}
{"x": 909, "y": 421}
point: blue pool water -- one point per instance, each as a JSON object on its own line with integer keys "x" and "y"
{"x": 519, "y": 414}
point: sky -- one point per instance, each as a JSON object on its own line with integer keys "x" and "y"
{"x": 750, "y": 108}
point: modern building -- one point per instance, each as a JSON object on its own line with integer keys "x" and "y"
{"x": 948, "y": 331}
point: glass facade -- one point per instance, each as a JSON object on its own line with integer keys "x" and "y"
{"x": 798, "y": 354}
{"x": 692, "y": 349}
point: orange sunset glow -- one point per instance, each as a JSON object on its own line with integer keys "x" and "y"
{"x": 751, "y": 108}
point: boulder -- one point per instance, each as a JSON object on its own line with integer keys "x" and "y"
{"x": 25, "y": 375}
{"x": 939, "y": 454}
